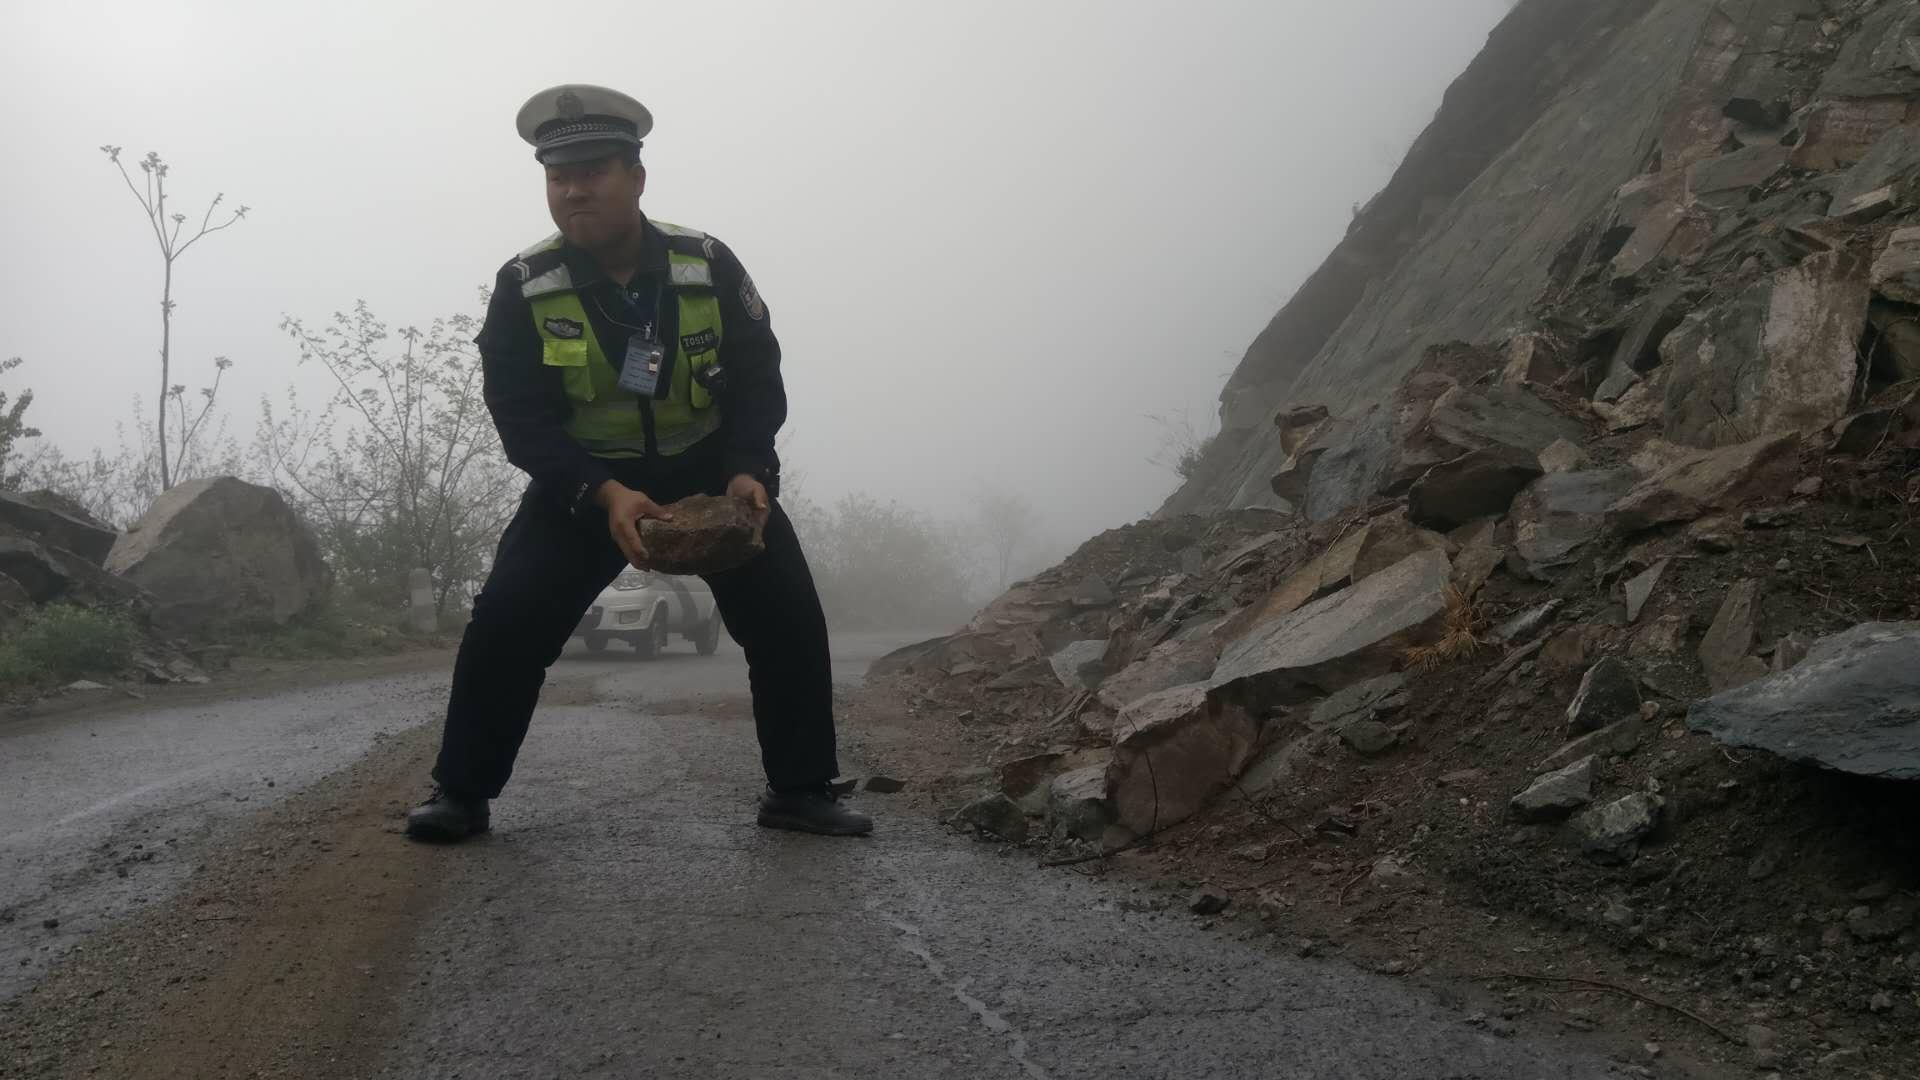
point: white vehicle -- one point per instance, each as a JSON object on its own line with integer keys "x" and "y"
{"x": 646, "y": 609}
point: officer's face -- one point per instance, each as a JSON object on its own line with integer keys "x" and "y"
{"x": 595, "y": 204}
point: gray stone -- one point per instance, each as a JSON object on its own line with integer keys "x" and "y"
{"x": 1281, "y": 766}
{"x": 84, "y": 686}
{"x": 1779, "y": 356}
{"x": 1498, "y": 416}
{"x": 1884, "y": 922}
{"x": 1896, "y": 269}
{"x": 1866, "y": 206}
{"x": 1611, "y": 832}
{"x": 1789, "y": 651}
{"x": 1643, "y": 403}
{"x": 1480, "y": 483}
{"x": 1361, "y": 701}
{"x": 1078, "y": 664}
{"x": 1524, "y": 623}
{"x": 1619, "y": 380}
{"x": 1608, "y": 692}
{"x": 40, "y": 574}
{"x": 48, "y": 574}
{"x": 1852, "y": 705}
{"x": 1077, "y": 804}
{"x": 1368, "y": 737}
{"x": 1563, "y": 456}
{"x": 1531, "y": 358}
{"x": 1727, "y": 178}
{"x": 1025, "y": 780}
{"x": 221, "y": 552}
{"x": 1428, "y": 419}
{"x": 1840, "y": 132}
{"x": 1879, "y": 58}
{"x": 1389, "y": 538}
{"x": 1705, "y": 480}
{"x": 1173, "y": 752}
{"x": 1639, "y": 588}
{"x": 708, "y": 534}
{"x": 1560, "y": 513}
{"x": 1189, "y": 656}
{"x": 1555, "y": 795}
{"x": 56, "y": 522}
{"x": 1356, "y": 633}
{"x": 884, "y": 785}
{"x": 1620, "y": 737}
{"x": 1726, "y": 651}
{"x": 1481, "y": 552}
{"x": 996, "y": 815}
{"x": 1649, "y": 239}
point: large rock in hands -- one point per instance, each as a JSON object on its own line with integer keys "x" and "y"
{"x": 708, "y": 534}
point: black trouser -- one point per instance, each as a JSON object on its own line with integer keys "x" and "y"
{"x": 552, "y": 564}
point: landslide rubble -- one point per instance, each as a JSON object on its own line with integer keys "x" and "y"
{"x": 1603, "y": 625}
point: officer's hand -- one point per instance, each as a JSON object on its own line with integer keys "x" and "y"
{"x": 746, "y": 487}
{"x": 625, "y": 507}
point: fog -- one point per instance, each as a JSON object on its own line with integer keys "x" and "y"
{"x": 996, "y": 238}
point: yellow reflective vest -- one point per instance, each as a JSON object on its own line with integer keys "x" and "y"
{"x": 606, "y": 419}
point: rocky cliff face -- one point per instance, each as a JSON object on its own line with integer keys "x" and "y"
{"x": 1604, "y": 172}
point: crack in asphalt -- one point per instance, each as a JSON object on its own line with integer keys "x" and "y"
{"x": 912, "y": 942}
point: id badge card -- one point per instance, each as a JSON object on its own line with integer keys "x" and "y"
{"x": 640, "y": 372}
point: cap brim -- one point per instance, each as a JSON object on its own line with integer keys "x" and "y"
{"x": 574, "y": 153}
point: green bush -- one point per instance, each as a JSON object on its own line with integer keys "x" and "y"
{"x": 63, "y": 642}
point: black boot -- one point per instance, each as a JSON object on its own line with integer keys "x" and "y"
{"x": 447, "y": 818}
{"x": 813, "y": 810}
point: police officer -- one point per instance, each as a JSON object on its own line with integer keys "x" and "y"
{"x": 629, "y": 363}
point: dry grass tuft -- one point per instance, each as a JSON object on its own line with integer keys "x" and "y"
{"x": 1459, "y": 639}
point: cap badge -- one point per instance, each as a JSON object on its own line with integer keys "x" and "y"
{"x": 569, "y": 106}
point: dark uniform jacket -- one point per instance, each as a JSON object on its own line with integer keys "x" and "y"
{"x": 528, "y": 398}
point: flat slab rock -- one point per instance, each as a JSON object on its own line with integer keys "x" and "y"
{"x": 1356, "y": 633}
{"x": 708, "y": 534}
{"x": 1852, "y": 705}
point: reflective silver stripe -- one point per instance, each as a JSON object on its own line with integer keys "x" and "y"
{"x": 702, "y": 426}
{"x": 675, "y": 230}
{"x": 690, "y": 272}
{"x": 558, "y": 279}
{"x": 552, "y": 241}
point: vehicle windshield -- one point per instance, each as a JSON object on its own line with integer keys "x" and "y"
{"x": 631, "y": 579}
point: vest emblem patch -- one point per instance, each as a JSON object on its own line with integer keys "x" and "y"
{"x": 698, "y": 343}
{"x": 563, "y": 328}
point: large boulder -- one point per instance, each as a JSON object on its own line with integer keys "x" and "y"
{"x": 1477, "y": 484}
{"x": 1188, "y": 656}
{"x": 56, "y": 521}
{"x": 1358, "y": 632}
{"x": 1703, "y": 480}
{"x": 1173, "y": 752}
{"x": 1429, "y": 419}
{"x": 1562, "y": 512}
{"x": 1853, "y": 705}
{"x": 1896, "y": 269}
{"x": 47, "y": 574}
{"x": 221, "y": 552}
{"x": 1779, "y": 356}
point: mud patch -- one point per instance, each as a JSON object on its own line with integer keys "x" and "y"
{"x": 281, "y": 957}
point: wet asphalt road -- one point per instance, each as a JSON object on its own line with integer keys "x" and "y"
{"x": 626, "y": 919}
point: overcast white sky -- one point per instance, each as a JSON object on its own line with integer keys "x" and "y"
{"x": 995, "y": 236}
